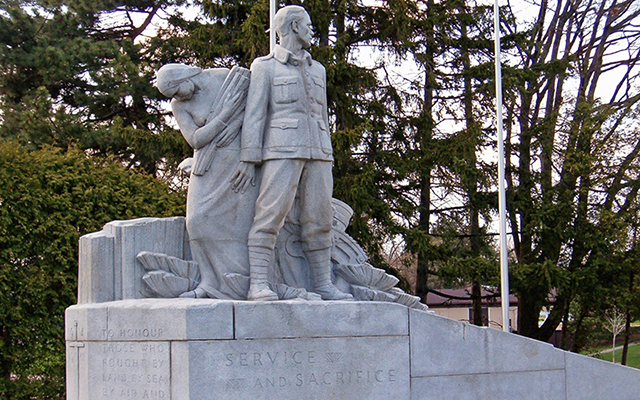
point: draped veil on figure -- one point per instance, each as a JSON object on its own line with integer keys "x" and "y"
{"x": 209, "y": 106}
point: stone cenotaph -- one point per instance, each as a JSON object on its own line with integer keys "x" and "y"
{"x": 259, "y": 293}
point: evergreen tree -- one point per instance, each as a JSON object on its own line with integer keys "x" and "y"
{"x": 48, "y": 199}
{"x": 445, "y": 190}
{"x": 79, "y": 73}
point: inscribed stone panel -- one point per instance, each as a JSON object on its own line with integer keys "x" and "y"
{"x": 366, "y": 368}
{"x": 129, "y": 370}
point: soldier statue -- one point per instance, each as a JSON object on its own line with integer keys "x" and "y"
{"x": 286, "y": 131}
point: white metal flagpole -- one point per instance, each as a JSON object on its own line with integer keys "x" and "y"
{"x": 504, "y": 262}
{"x": 272, "y": 32}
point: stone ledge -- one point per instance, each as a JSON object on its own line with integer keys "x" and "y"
{"x": 441, "y": 346}
{"x": 151, "y": 320}
{"x": 290, "y": 319}
{"x": 206, "y": 319}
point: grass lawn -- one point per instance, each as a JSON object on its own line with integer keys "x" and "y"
{"x": 633, "y": 357}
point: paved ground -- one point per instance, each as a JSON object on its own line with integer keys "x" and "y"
{"x": 618, "y": 348}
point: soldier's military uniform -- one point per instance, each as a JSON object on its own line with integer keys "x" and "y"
{"x": 286, "y": 129}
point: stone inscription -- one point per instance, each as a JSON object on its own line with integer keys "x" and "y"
{"x": 132, "y": 334}
{"x": 325, "y": 371}
{"x": 130, "y": 370}
{"x": 367, "y": 368}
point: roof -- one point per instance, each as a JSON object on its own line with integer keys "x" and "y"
{"x": 462, "y": 298}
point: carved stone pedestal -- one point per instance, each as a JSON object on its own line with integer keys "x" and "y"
{"x": 188, "y": 349}
{"x": 183, "y": 349}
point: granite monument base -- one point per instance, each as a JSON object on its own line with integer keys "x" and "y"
{"x": 187, "y": 349}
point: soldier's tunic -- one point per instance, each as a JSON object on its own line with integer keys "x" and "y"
{"x": 286, "y": 129}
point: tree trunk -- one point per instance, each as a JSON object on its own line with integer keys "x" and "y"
{"x": 627, "y": 323}
{"x": 627, "y": 334}
{"x": 469, "y": 178}
{"x": 564, "y": 339}
{"x": 528, "y": 316}
{"x": 613, "y": 349}
{"x": 424, "y": 136}
{"x": 5, "y": 357}
{"x": 476, "y": 298}
{"x": 422, "y": 273}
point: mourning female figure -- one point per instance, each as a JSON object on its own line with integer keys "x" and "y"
{"x": 208, "y": 106}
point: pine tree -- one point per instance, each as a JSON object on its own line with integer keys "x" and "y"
{"x": 78, "y": 73}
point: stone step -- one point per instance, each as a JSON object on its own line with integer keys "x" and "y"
{"x": 197, "y": 349}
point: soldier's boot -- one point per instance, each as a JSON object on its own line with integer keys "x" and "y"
{"x": 259, "y": 290}
{"x": 320, "y": 264}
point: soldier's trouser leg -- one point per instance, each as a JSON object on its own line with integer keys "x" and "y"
{"x": 278, "y": 189}
{"x": 316, "y": 219}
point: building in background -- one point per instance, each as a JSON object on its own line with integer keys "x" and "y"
{"x": 457, "y": 304}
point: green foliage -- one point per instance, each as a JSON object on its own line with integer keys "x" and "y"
{"x": 572, "y": 173}
{"x": 48, "y": 199}
{"x": 67, "y": 73}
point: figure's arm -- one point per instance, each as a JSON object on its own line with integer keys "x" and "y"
{"x": 229, "y": 134}
{"x": 256, "y": 112}
{"x": 195, "y": 135}
{"x": 232, "y": 112}
{"x": 203, "y": 136}
{"x": 229, "y": 107}
{"x": 325, "y": 112}
{"x": 255, "y": 117}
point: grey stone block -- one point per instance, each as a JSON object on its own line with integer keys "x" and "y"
{"x": 73, "y": 373}
{"x": 95, "y": 268}
{"x": 592, "y": 379}
{"x": 158, "y": 235}
{"x": 122, "y": 350}
{"x": 86, "y": 322}
{"x": 441, "y": 346}
{"x": 508, "y": 352}
{"x": 170, "y": 319}
{"x": 150, "y": 320}
{"x": 538, "y": 385}
{"x": 180, "y": 371}
{"x": 290, "y": 319}
{"x": 77, "y": 371}
{"x": 365, "y": 368}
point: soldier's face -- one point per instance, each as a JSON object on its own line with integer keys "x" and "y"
{"x": 305, "y": 31}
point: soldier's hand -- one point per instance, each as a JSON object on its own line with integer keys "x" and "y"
{"x": 243, "y": 177}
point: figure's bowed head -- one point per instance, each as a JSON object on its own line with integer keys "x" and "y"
{"x": 178, "y": 81}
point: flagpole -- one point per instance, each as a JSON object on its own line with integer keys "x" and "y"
{"x": 272, "y": 31}
{"x": 504, "y": 262}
